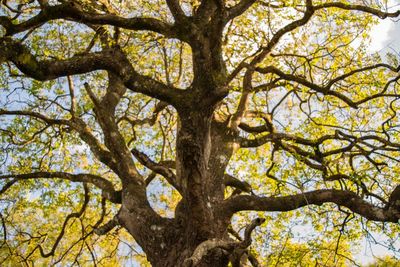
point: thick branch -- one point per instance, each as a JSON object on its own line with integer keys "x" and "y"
{"x": 366, "y": 9}
{"x": 243, "y": 186}
{"x": 106, "y": 228}
{"x": 175, "y": 9}
{"x": 157, "y": 168}
{"x": 113, "y": 139}
{"x": 227, "y": 245}
{"x": 35, "y": 115}
{"x": 240, "y": 8}
{"x": 394, "y": 199}
{"x": 72, "y": 11}
{"x": 326, "y": 90}
{"x": 98, "y": 149}
{"x": 111, "y": 59}
{"x": 106, "y": 186}
{"x": 318, "y": 197}
{"x": 271, "y": 137}
{"x": 78, "y": 125}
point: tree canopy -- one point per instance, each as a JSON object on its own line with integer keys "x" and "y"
{"x": 196, "y": 132}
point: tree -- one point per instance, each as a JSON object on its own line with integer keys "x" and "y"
{"x": 220, "y": 106}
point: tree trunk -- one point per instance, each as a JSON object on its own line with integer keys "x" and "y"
{"x": 202, "y": 156}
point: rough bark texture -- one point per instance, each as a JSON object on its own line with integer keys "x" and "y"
{"x": 197, "y": 235}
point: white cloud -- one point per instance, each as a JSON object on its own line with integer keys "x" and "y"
{"x": 380, "y": 35}
{"x": 384, "y": 36}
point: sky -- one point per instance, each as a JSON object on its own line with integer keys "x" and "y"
{"x": 385, "y": 37}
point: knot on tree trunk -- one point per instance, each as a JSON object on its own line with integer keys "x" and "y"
{"x": 234, "y": 248}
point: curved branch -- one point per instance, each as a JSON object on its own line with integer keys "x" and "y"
{"x": 326, "y": 90}
{"x": 271, "y": 137}
{"x": 73, "y": 11}
{"x": 366, "y": 9}
{"x": 308, "y": 13}
{"x": 240, "y": 8}
{"x": 106, "y": 228}
{"x": 106, "y": 186}
{"x": 350, "y": 73}
{"x": 110, "y": 59}
{"x": 343, "y": 198}
{"x": 227, "y": 245}
{"x": 157, "y": 168}
{"x": 69, "y": 217}
{"x": 98, "y": 149}
{"x": 305, "y": 82}
{"x": 35, "y": 115}
{"x": 176, "y": 9}
{"x": 77, "y": 124}
{"x": 254, "y": 129}
{"x": 241, "y": 186}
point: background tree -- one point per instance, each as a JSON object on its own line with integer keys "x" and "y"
{"x": 178, "y": 124}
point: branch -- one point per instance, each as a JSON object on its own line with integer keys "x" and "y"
{"x": 240, "y": 8}
{"x": 176, "y": 9}
{"x": 35, "y": 115}
{"x": 347, "y": 199}
{"x": 106, "y": 228}
{"x": 242, "y": 186}
{"x": 98, "y": 149}
{"x": 74, "y": 12}
{"x": 69, "y": 217}
{"x": 264, "y": 51}
{"x": 267, "y": 127}
{"x": 110, "y": 59}
{"x": 7, "y": 186}
{"x": 254, "y": 129}
{"x": 310, "y": 9}
{"x": 78, "y": 125}
{"x": 106, "y": 186}
{"x": 150, "y": 178}
{"x": 249, "y": 229}
{"x": 204, "y": 248}
{"x": 394, "y": 199}
{"x": 113, "y": 139}
{"x": 236, "y": 258}
{"x": 271, "y": 137}
{"x": 308, "y": 13}
{"x": 151, "y": 121}
{"x": 242, "y": 107}
{"x": 157, "y": 168}
{"x": 362, "y": 8}
{"x": 326, "y": 90}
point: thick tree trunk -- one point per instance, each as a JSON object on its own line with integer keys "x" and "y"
{"x": 203, "y": 150}
{"x": 202, "y": 156}
{"x": 180, "y": 252}
{"x": 193, "y": 154}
